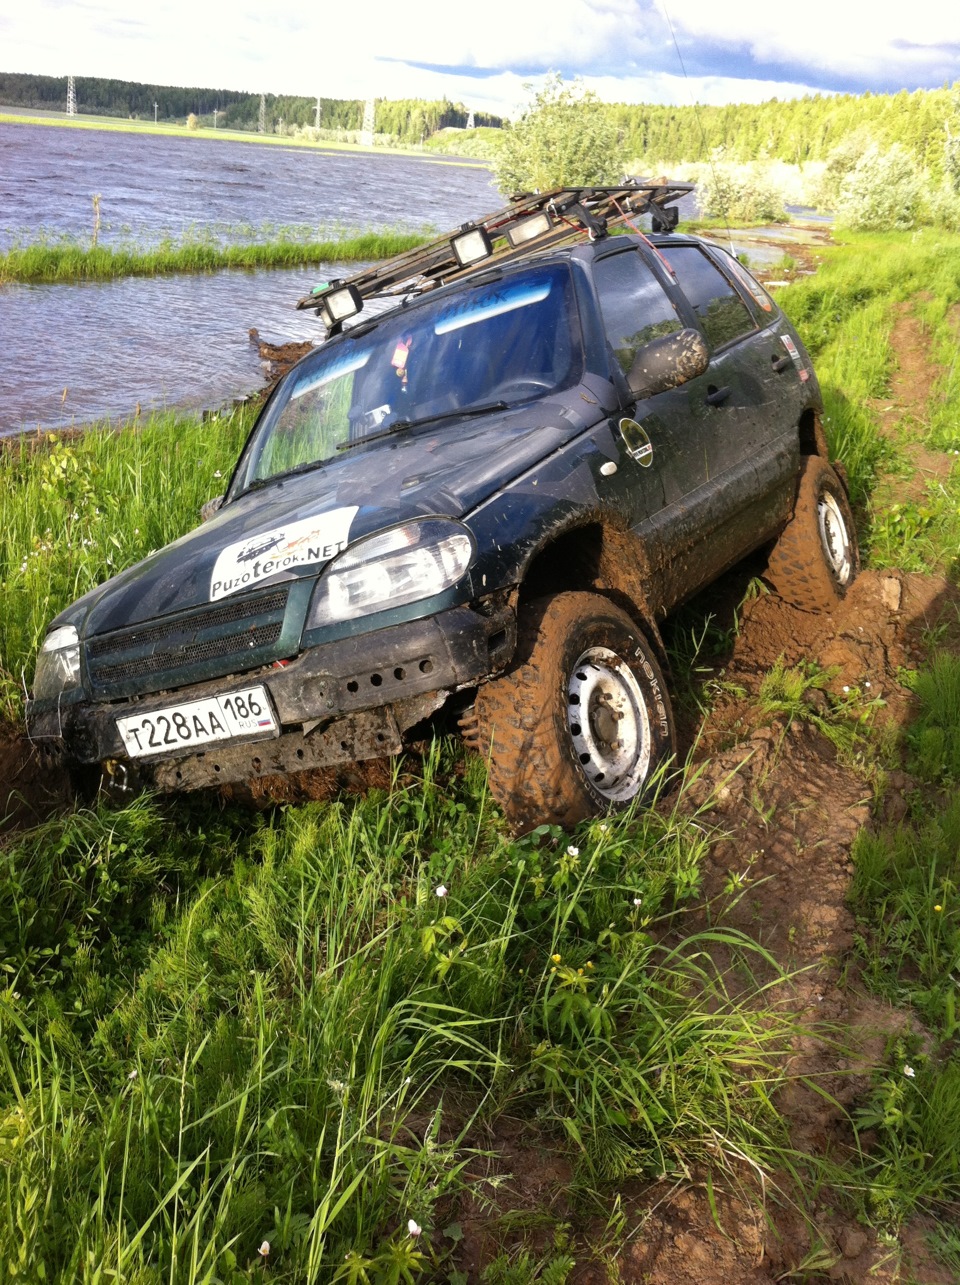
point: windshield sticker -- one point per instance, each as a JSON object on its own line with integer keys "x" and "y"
{"x": 345, "y": 365}
{"x": 792, "y": 349}
{"x": 492, "y": 304}
{"x": 256, "y": 558}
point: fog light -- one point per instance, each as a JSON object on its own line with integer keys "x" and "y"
{"x": 471, "y": 245}
{"x": 338, "y": 303}
{"x": 529, "y": 229}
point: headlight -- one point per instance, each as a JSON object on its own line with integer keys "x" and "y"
{"x": 58, "y": 665}
{"x": 402, "y": 565}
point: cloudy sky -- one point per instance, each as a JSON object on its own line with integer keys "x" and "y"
{"x": 667, "y": 51}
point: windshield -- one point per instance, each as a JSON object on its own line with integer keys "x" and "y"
{"x": 505, "y": 341}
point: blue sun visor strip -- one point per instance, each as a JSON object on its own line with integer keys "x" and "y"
{"x": 493, "y": 303}
{"x": 330, "y": 370}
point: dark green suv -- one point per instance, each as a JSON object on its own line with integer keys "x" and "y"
{"x": 487, "y": 496}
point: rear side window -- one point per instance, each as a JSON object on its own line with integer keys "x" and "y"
{"x": 720, "y": 310}
{"x": 634, "y": 305}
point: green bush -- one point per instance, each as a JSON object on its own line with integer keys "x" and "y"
{"x": 566, "y": 137}
{"x": 740, "y": 194}
{"x": 882, "y": 191}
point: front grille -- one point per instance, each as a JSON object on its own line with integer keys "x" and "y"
{"x": 147, "y": 657}
{"x": 205, "y": 618}
{"x": 191, "y": 655}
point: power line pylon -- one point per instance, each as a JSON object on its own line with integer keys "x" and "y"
{"x": 369, "y": 123}
{"x": 71, "y": 97}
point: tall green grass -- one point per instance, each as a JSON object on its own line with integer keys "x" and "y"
{"x": 74, "y": 511}
{"x": 303, "y": 1030}
{"x": 63, "y": 262}
{"x": 845, "y": 314}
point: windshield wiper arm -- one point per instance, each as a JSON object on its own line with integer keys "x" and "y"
{"x": 400, "y": 425}
{"x": 259, "y": 483}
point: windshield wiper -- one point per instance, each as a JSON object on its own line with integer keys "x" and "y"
{"x": 259, "y": 483}
{"x": 401, "y": 425}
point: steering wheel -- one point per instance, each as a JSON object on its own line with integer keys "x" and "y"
{"x": 522, "y": 389}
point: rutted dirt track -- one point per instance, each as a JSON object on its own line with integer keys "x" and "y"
{"x": 788, "y": 810}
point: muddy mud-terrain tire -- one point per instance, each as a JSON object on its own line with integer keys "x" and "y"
{"x": 816, "y": 558}
{"x": 582, "y": 721}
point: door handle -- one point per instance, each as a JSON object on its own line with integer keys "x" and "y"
{"x": 716, "y": 396}
{"x": 780, "y": 364}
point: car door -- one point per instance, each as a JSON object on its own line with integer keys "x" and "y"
{"x": 689, "y": 437}
{"x": 750, "y": 449}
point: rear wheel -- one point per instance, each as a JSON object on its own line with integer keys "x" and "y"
{"x": 582, "y": 721}
{"x": 816, "y": 558}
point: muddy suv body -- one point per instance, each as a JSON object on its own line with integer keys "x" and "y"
{"x": 486, "y": 497}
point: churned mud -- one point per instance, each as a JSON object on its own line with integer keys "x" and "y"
{"x": 786, "y": 810}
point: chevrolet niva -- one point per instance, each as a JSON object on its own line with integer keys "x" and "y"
{"x": 484, "y": 497}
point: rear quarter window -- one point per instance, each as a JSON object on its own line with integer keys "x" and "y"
{"x": 721, "y": 312}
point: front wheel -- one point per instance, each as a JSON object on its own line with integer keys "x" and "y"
{"x": 816, "y": 558}
{"x": 582, "y": 721}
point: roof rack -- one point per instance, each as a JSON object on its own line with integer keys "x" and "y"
{"x": 531, "y": 221}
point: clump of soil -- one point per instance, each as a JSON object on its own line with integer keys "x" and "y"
{"x": 30, "y": 789}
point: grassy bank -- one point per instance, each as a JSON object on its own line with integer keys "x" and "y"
{"x": 303, "y": 1033}
{"x": 70, "y": 261}
{"x": 845, "y": 315}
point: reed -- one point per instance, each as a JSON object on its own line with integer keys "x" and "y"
{"x": 71, "y": 261}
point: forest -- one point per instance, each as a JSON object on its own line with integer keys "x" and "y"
{"x": 406, "y": 120}
{"x": 796, "y": 130}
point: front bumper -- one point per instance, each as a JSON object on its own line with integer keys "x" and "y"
{"x": 340, "y": 702}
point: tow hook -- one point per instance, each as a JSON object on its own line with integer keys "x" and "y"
{"x": 118, "y": 777}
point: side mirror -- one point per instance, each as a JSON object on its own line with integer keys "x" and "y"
{"x": 209, "y": 509}
{"x": 668, "y": 362}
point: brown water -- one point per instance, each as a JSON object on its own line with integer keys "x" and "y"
{"x": 75, "y": 353}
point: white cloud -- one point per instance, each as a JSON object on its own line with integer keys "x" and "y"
{"x": 836, "y": 36}
{"x": 624, "y": 47}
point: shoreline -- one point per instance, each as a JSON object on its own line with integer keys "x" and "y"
{"x": 119, "y": 125}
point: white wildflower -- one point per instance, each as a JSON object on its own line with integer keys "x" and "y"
{"x": 264, "y": 1249}
{"x": 845, "y": 688}
{"x": 638, "y": 901}
{"x": 441, "y": 890}
{"x": 413, "y": 1227}
{"x": 573, "y": 851}
{"x": 909, "y": 1072}
{"x": 218, "y": 474}
{"x": 132, "y": 1075}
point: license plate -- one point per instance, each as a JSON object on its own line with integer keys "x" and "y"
{"x": 220, "y": 718}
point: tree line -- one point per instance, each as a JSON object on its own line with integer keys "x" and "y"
{"x": 407, "y": 120}
{"x": 795, "y": 130}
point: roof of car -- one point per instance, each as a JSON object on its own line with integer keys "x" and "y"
{"x": 527, "y": 225}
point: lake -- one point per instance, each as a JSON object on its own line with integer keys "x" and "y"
{"x": 73, "y": 353}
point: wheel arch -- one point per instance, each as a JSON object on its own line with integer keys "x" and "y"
{"x": 813, "y": 440}
{"x": 595, "y": 554}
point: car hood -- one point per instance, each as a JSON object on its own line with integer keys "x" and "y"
{"x": 293, "y": 527}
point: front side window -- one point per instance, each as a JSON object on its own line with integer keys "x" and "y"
{"x": 506, "y": 341}
{"x": 721, "y": 312}
{"x": 634, "y": 305}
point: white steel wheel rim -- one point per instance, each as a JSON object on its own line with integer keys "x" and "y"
{"x": 835, "y": 538}
{"x": 609, "y": 724}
